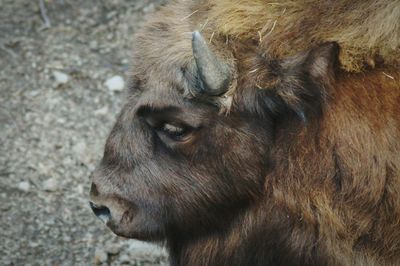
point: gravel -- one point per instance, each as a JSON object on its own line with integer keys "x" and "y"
{"x": 55, "y": 114}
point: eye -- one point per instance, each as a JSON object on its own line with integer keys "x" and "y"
{"x": 175, "y": 132}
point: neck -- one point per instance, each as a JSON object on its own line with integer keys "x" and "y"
{"x": 261, "y": 235}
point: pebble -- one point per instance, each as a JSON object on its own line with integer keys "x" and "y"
{"x": 100, "y": 256}
{"x": 93, "y": 44}
{"x": 125, "y": 258}
{"x": 115, "y": 83}
{"x": 142, "y": 250}
{"x": 149, "y": 8}
{"x": 101, "y": 111}
{"x": 113, "y": 249}
{"x": 60, "y": 77}
{"x": 24, "y": 186}
{"x": 81, "y": 153}
{"x": 33, "y": 244}
{"x": 79, "y": 148}
{"x": 50, "y": 184}
{"x": 80, "y": 189}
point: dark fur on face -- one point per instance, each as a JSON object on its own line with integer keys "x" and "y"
{"x": 297, "y": 164}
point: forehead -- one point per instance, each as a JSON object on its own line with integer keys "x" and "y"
{"x": 166, "y": 88}
{"x": 158, "y": 97}
{"x": 162, "y": 66}
{"x": 165, "y": 91}
{"x": 162, "y": 48}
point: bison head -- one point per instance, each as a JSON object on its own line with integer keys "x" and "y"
{"x": 192, "y": 146}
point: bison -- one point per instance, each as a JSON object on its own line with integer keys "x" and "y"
{"x": 260, "y": 133}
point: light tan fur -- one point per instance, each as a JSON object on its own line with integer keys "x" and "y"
{"x": 368, "y": 31}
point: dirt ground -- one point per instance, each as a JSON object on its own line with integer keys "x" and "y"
{"x": 55, "y": 114}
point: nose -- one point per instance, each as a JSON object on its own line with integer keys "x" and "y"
{"x": 102, "y": 212}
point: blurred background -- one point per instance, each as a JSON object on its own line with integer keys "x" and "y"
{"x": 63, "y": 68}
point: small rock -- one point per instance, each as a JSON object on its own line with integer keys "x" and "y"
{"x": 142, "y": 250}
{"x": 79, "y": 148}
{"x": 101, "y": 111}
{"x": 113, "y": 249}
{"x": 93, "y": 44}
{"x": 34, "y": 93}
{"x": 24, "y": 186}
{"x": 60, "y": 77}
{"x": 100, "y": 256}
{"x": 80, "y": 189}
{"x": 115, "y": 83}
{"x": 125, "y": 258}
{"x": 50, "y": 184}
{"x": 33, "y": 244}
{"x": 149, "y": 8}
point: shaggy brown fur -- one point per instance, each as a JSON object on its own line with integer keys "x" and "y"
{"x": 367, "y": 31}
{"x": 304, "y": 169}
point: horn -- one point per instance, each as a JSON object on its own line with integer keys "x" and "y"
{"x": 214, "y": 74}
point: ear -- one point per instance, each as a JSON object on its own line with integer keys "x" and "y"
{"x": 321, "y": 63}
{"x": 305, "y": 80}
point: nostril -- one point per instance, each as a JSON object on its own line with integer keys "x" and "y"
{"x": 101, "y": 211}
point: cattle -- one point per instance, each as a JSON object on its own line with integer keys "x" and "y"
{"x": 260, "y": 133}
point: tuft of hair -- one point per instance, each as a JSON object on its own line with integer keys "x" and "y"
{"x": 368, "y": 31}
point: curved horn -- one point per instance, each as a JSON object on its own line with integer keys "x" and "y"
{"x": 214, "y": 74}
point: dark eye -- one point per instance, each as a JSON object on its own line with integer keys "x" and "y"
{"x": 175, "y": 132}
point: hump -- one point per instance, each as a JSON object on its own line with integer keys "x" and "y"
{"x": 368, "y": 31}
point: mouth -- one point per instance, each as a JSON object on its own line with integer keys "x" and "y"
{"x": 129, "y": 223}
{"x": 133, "y": 232}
